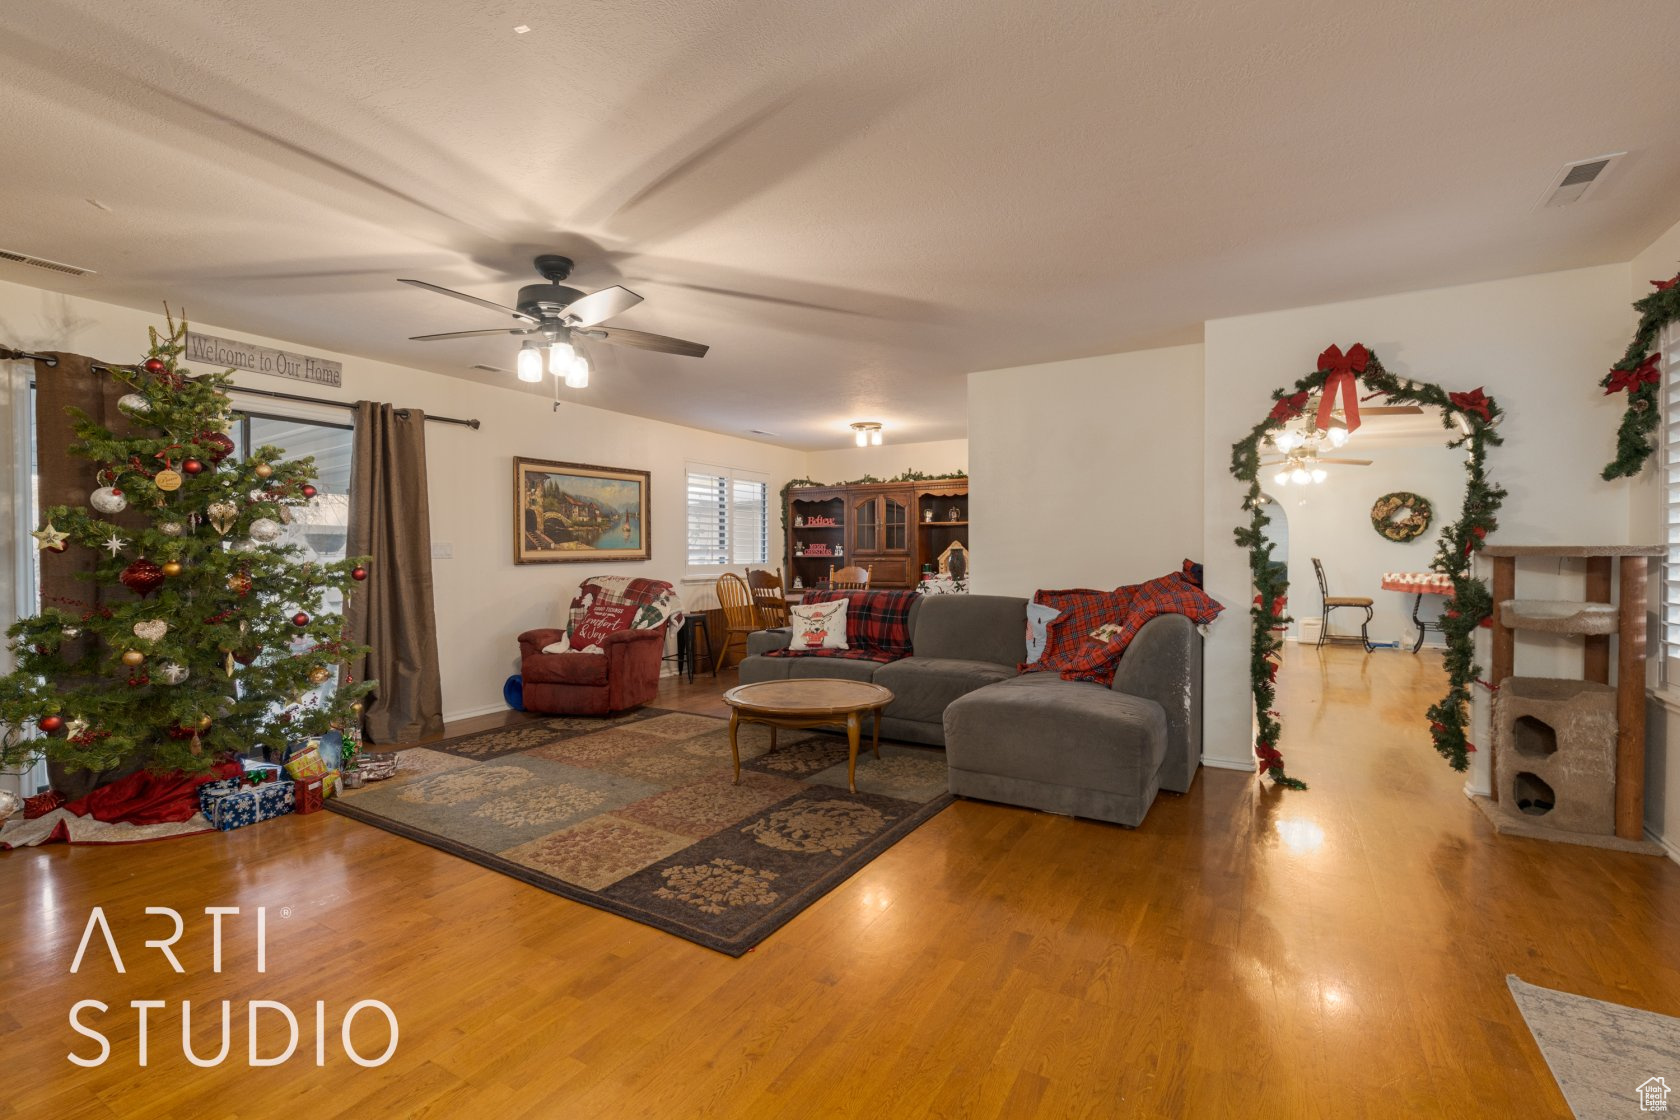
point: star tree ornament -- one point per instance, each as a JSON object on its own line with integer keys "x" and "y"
{"x": 47, "y": 537}
{"x": 114, "y": 544}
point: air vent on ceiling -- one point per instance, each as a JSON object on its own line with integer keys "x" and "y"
{"x": 491, "y": 369}
{"x": 42, "y": 262}
{"x": 1577, "y": 180}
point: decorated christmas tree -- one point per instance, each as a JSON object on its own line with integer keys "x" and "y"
{"x": 201, "y": 634}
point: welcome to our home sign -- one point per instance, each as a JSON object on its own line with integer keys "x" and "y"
{"x": 225, "y": 352}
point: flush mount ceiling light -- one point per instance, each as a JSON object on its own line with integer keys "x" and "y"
{"x": 867, "y": 432}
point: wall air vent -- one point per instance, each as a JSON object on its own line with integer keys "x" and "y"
{"x": 42, "y": 262}
{"x": 1578, "y": 180}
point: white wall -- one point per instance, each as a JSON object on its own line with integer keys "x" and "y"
{"x": 1537, "y": 343}
{"x": 1085, "y": 473}
{"x": 483, "y": 599}
{"x": 1332, "y": 521}
{"x": 887, "y": 461}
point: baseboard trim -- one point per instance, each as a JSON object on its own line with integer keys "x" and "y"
{"x": 1662, "y": 842}
{"x": 1227, "y": 763}
{"x": 469, "y": 713}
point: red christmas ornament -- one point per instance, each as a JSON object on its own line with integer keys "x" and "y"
{"x": 308, "y": 490}
{"x": 52, "y": 725}
{"x": 300, "y": 619}
{"x": 358, "y": 573}
{"x": 246, "y": 656}
{"x": 219, "y": 444}
{"x": 156, "y": 365}
{"x": 179, "y": 732}
{"x": 142, "y": 577}
{"x": 192, "y": 466}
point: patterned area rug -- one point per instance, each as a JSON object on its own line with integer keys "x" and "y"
{"x": 640, "y": 815}
{"x": 1609, "y": 1060}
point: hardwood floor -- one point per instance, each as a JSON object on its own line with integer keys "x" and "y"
{"x": 1335, "y": 953}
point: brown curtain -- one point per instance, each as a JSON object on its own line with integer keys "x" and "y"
{"x": 67, "y": 480}
{"x": 391, "y": 612}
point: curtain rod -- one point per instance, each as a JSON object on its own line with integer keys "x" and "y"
{"x": 99, "y": 367}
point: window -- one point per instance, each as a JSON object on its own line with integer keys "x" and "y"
{"x": 728, "y": 518}
{"x": 1669, "y": 343}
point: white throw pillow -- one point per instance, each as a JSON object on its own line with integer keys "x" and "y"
{"x": 819, "y": 626}
{"x": 1039, "y": 618}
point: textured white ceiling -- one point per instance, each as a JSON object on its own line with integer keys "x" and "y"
{"x": 853, "y": 204}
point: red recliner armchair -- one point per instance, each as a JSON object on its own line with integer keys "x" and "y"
{"x": 624, "y": 676}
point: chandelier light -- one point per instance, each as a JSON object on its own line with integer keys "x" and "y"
{"x": 530, "y": 365}
{"x": 867, "y": 432}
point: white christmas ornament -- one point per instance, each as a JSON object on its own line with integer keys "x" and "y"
{"x": 172, "y": 528}
{"x": 135, "y": 403}
{"x": 265, "y": 530}
{"x": 171, "y": 673}
{"x": 108, "y": 499}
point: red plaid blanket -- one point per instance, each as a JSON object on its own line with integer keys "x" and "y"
{"x": 654, "y": 600}
{"x": 1095, "y": 627}
{"x": 877, "y": 625}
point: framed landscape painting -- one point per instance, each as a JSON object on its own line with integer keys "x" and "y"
{"x": 569, "y": 512}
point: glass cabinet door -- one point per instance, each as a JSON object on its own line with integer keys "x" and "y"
{"x": 866, "y": 526}
{"x": 897, "y": 525}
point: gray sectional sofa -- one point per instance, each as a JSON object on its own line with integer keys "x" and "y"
{"x": 1069, "y": 747}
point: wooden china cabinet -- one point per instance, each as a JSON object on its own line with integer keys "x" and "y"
{"x": 891, "y": 528}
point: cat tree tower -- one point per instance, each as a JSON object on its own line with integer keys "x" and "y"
{"x": 1569, "y": 753}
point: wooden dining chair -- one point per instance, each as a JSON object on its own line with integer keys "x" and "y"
{"x": 1331, "y": 602}
{"x": 854, "y": 578}
{"x": 740, "y": 616}
{"x": 768, "y": 595}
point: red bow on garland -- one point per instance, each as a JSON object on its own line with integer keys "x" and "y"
{"x": 1343, "y": 370}
{"x": 1665, "y": 285}
{"x": 1630, "y": 379}
{"x": 1288, "y": 408}
{"x": 1474, "y": 401}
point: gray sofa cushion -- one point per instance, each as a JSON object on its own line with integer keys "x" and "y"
{"x": 1063, "y": 746}
{"x": 763, "y": 641}
{"x": 923, "y": 687}
{"x": 842, "y": 668}
{"x": 971, "y": 628}
{"x": 755, "y": 669}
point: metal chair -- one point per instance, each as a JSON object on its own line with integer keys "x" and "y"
{"x": 848, "y": 579}
{"x": 768, "y": 596}
{"x": 1331, "y": 602}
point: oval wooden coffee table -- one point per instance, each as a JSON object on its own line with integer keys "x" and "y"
{"x": 808, "y": 702}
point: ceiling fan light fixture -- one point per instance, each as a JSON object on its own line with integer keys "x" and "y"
{"x": 577, "y": 373}
{"x": 1300, "y": 476}
{"x": 866, "y": 432}
{"x": 530, "y": 365}
{"x": 1281, "y": 478}
{"x": 1338, "y": 436}
{"x": 1319, "y": 474}
{"x": 560, "y": 356}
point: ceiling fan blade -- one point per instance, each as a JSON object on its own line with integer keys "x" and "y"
{"x": 641, "y": 340}
{"x": 1389, "y": 410}
{"x": 453, "y": 294}
{"x": 471, "y": 334}
{"x": 1349, "y": 462}
{"x": 597, "y": 307}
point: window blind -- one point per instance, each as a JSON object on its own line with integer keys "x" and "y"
{"x": 1669, "y": 341}
{"x": 728, "y": 517}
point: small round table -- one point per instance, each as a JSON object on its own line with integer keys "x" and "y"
{"x": 809, "y": 702}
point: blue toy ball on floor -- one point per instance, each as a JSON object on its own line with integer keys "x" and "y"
{"x": 514, "y": 693}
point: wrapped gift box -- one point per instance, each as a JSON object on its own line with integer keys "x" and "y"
{"x": 330, "y": 746}
{"x": 378, "y": 766}
{"x": 229, "y": 803}
{"x": 309, "y": 795}
{"x": 307, "y": 763}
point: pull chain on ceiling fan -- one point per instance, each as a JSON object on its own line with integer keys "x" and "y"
{"x": 561, "y": 316}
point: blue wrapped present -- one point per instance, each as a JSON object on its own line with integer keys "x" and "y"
{"x": 229, "y": 803}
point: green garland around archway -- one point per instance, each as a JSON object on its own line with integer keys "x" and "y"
{"x": 1471, "y": 418}
{"x": 1637, "y": 373}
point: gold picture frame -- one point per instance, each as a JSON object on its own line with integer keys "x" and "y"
{"x": 568, "y": 513}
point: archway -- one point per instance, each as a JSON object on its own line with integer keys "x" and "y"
{"x": 1471, "y": 417}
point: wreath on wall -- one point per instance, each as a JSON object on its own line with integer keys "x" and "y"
{"x": 1471, "y": 417}
{"x": 1387, "y": 519}
{"x": 1637, "y": 375}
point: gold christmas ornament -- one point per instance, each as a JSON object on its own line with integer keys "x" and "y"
{"x": 204, "y": 723}
{"x": 320, "y": 674}
{"x": 263, "y": 470}
{"x": 132, "y": 657}
{"x": 167, "y": 480}
{"x": 222, "y": 516}
{"x": 172, "y": 567}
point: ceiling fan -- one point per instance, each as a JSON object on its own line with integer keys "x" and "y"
{"x": 560, "y": 315}
{"x": 1304, "y": 465}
